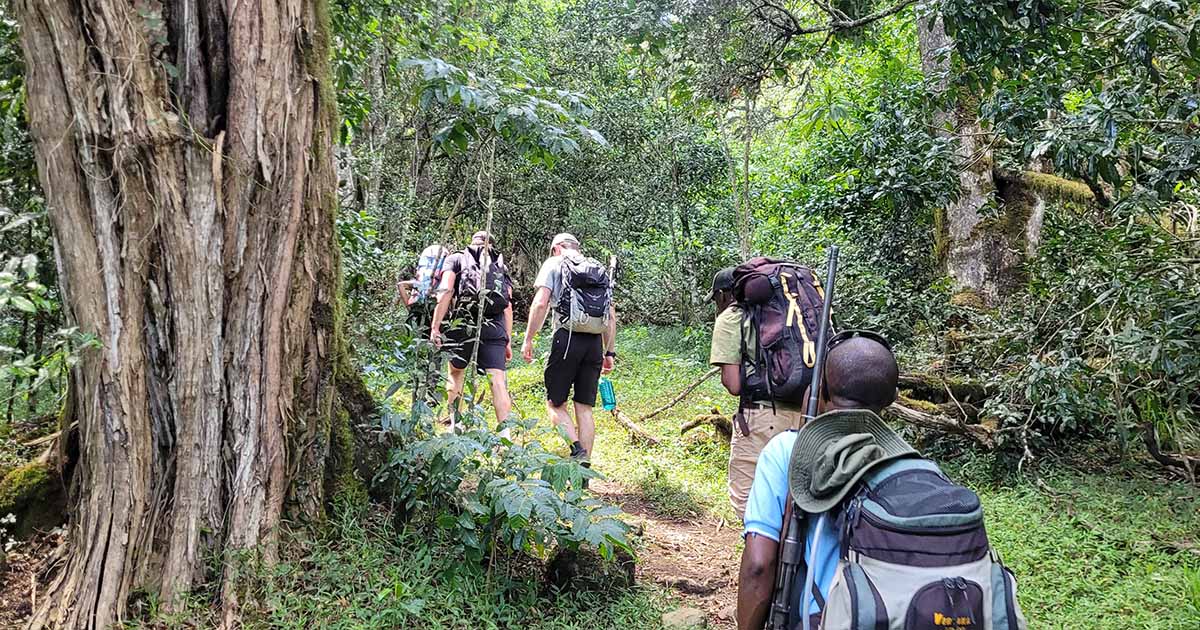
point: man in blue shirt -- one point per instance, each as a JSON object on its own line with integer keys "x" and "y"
{"x": 860, "y": 374}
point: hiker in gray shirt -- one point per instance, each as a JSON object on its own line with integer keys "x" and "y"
{"x": 579, "y": 291}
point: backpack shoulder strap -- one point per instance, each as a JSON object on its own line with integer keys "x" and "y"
{"x": 466, "y": 259}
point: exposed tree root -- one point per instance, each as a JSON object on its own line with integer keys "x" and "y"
{"x": 1179, "y": 461}
{"x": 721, "y": 423}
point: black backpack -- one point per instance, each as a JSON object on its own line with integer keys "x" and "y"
{"x": 583, "y": 304}
{"x": 781, "y": 301}
{"x": 474, "y": 284}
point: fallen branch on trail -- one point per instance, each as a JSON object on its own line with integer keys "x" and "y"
{"x": 684, "y": 394}
{"x": 635, "y": 430}
{"x": 721, "y": 423}
{"x": 907, "y": 410}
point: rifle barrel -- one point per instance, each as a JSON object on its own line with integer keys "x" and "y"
{"x": 810, "y": 411}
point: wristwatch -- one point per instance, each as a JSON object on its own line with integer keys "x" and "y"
{"x": 611, "y": 353}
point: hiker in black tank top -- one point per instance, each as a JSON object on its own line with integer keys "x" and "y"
{"x": 468, "y": 283}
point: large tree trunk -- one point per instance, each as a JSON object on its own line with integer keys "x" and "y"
{"x": 185, "y": 151}
{"x": 981, "y": 254}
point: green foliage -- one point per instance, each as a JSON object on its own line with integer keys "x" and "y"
{"x": 1104, "y": 92}
{"x": 357, "y": 237}
{"x": 537, "y": 122}
{"x": 29, "y": 371}
{"x": 1108, "y": 345}
{"x": 669, "y": 498}
{"x": 1092, "y": 550}
{"x": 363, "y": 572}
{"x": 484, "y": 491}
{"x": 35, "y": 349}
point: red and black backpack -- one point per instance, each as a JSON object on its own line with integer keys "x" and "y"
{"x": 781, "y": 302}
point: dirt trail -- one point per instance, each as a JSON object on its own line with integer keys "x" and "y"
{"x": 697, "y": 557}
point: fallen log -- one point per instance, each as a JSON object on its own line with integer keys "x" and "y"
{"x": 684, "y": 394}
{"x": 939, "y": 388}
{"x": 721, "y": 423}
{"x": 635, "y": 430}
{"x": 909, "y": 411}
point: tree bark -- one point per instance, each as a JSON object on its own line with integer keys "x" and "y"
{"x": 981, "y": 254}
{"x": 185, "y": 149}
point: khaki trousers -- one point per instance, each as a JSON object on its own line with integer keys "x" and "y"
{"x": 764, "y": 424}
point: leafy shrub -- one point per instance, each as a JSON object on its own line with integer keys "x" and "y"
{"x": 1106, "y": 342}
{"x": 485, "y": 491}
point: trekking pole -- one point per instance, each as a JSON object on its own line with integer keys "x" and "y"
{"x": 608, "y": 394}
{"x": 810, "y": 411}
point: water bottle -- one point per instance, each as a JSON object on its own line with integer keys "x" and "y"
{"x": 608, "y": 397}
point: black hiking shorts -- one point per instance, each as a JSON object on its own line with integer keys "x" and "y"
{"x": 575, "y": 362}
{"x": 460, "y": 343}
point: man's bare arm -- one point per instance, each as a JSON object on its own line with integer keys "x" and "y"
{"x": 537, "y": 312}
{"x": 444, "y": 297}
{"x": 508, "y": 322}
{"x": 731, "y": 378}
{"x": 610, "y": 332}
{"x": 405, "y": 295}
{"x": 756, "y": 580}
{"x": 537, "y": 317}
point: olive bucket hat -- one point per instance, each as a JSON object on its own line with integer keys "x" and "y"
{"x": 834, "y": 450}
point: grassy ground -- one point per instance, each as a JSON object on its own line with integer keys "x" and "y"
{"x": 1113, "y": 547}
{"x": 1110, "y": 547}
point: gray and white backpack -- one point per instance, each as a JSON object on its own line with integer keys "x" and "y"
{"x": 586, "y": 295}
{"x": 915, "y": 556}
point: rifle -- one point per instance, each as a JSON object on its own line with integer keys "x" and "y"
{"x": 791, "y": 545}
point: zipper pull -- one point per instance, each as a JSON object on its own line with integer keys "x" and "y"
{"x": 852, "y": 513}
{"x": 962, "y": 586}
{"x": 948, "y": 584}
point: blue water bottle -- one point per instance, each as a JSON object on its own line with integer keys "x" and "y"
{"x": 608, "y": 397}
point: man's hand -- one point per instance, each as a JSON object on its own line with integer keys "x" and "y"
{"x": 527, "y": 350}
{"x": 608, "y": 365}
{"x": 508, "y": 352}
{"x": 435, "y": 337}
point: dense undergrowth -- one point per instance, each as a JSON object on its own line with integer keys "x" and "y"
{"x": 1098, "y": 540}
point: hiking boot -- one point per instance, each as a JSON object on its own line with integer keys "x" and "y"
{"x": 579, "y": 454}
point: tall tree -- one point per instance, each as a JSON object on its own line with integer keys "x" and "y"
{"x": 185, "y": 151}
{"x": 982, "y": 254}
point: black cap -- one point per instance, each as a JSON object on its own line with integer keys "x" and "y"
{"x": 723, "y": 281}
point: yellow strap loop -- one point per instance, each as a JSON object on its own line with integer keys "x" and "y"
{"x": 794, "y": 311}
